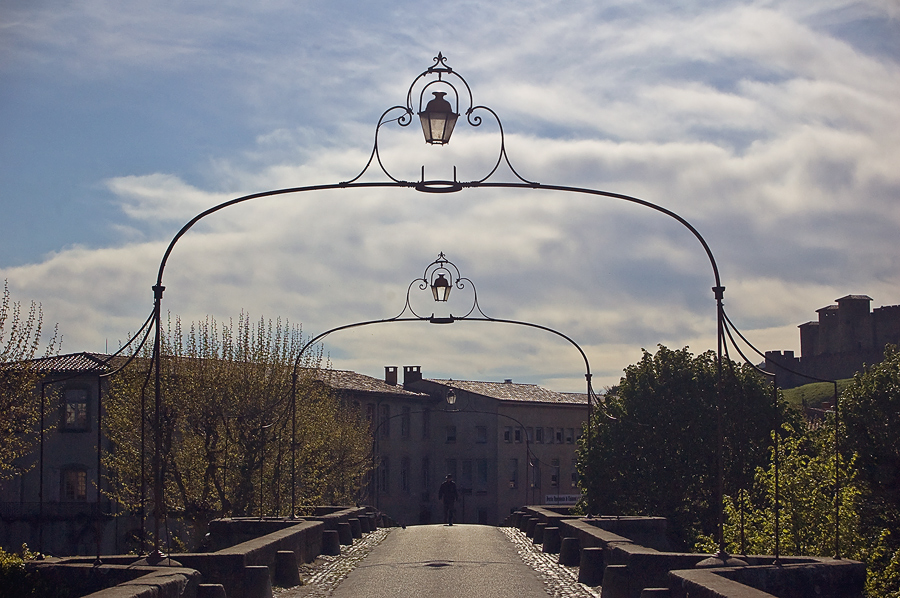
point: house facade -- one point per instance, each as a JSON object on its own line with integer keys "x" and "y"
{"x": 505, "y": 444}
{"x": 52, "y": 504}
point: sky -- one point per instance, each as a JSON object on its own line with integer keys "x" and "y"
{"x": 773, "y": 127}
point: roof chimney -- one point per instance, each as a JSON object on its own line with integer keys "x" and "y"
{"x": 411, "y": 373}
{"x": 390, "y": 375}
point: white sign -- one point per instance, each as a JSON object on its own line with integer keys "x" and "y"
{"x": 561, "y": 499}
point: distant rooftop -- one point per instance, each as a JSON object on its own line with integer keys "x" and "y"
{"x": 510, "y": 391}
{"x": 75, "y": 362}
{"x": 347, "y": 380}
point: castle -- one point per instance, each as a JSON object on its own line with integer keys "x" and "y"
{"x": 846, "y": 336}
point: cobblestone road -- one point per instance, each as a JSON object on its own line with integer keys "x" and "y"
{"x": 322, "y": 577}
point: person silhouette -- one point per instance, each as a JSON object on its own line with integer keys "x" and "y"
{"x": 448, "y": 494}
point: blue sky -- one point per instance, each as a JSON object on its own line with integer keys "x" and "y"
{"x": 773, "y": 127}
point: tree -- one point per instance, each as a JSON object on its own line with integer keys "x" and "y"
{"x": 227, "y": 425}
{"x": 20, "y": 340}
{"x": 654, "y": 443}
{"x": 869, "y": 411}
{"x": 806, "y": 500}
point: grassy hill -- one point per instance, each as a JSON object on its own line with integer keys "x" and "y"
{"x": 814, "y": 394}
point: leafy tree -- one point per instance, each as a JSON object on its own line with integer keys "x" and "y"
{"x": 20, "y": 340}
{"x": 654, "y": 444}
{"x": 869, "y": 410}
{"x": 806, "y": 500}
{"x": 227, "y": 425}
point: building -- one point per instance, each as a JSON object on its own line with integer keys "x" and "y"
{"x": 505, "y": 444}
{"x": 52, "y": 505}
{"x": 845, "y": 338}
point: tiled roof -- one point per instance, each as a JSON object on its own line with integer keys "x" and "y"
{"x": 74, "y": 362}
{"x": 509, "y": 391}
{"x": 347, "y": 380}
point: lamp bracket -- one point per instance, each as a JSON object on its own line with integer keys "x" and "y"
{"x": 441, "y": 268}
{"x": 439, "y": 76}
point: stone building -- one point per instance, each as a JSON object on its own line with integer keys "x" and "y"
{"x": 845, "y": 337}
{"x": 52, "y": 505}
{"x": 505, "y": 444}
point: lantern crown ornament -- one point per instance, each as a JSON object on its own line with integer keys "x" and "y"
{"x": 439, "y": 96}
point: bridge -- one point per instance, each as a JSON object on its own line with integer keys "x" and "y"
{"x": 357, "y": 552}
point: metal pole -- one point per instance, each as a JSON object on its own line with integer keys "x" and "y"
{"x": 720, "y": 425}
{"x": 98, "y": 527}
{"x": 777, "y": 472}
{"x": 837, "y": 480}
{"x": 293, "y": 444}
{"x": 41, "y": 479}
{"x": 157, "y": 554}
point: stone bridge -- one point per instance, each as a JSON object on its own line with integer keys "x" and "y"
{"x": 540, "y": 552}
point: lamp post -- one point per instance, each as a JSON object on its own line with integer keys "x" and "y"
{"x": 438, "y": 118}
{"x": 439, "y": 277}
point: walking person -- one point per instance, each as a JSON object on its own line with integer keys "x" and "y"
{"x": 448, "y": 494}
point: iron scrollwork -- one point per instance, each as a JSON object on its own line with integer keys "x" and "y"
{"x": 447, "y": 272}
{"x": 439, "y": 76}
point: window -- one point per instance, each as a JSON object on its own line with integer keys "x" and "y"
{"x": 549, "y": 436}
{"x": 559, "y": 435}
{"x": 404, "y": 474}
{"x": 385, "y": 422}
{"x": 426, "y": 424}
{"x": 426, "y": 473}
{"x": 570, "y": 435}
{"x": 513, "y": 473}
{"x": 370, "y": 415}
{"x": 481, "y": 434}
{"x": 529, "y": 434}
{"x": 451, "y": 434}
{"x": 507, "y": 434}
{"x": 73, "y": 485}
{"x": 384, "y": 479}
{"x": 404, "y": 423}
{"x": 481, "y": 475}
{"x": 554, "y": 473}
{"x": 467, "y": 474}
{"x": 539, "y": 435}
{"x": 574, "y": 473}
{"x": 75, "y": 409}
{"x": 518, "y": 434}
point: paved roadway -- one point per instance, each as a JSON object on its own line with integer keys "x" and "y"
{"x": 438, "y": 561}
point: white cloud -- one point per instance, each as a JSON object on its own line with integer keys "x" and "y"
{"x": 770, "y": 134}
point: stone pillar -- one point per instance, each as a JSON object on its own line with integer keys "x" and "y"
{"x": 552, "y": 540}
{"x": 539, "y": 533}
{"x": 569, "y": 552}
{"x": 355, "y": 527}
{"x": 529, "y": 529}
{"x": 287, "y": 570}
{"x": 616, "y": 581}
{"x": 523, "y": 521}
{"x": 331, "y": 542}
{"x": 210, "y": 590}
{"x": 590, "y": 571}
{"x": 257, "y": 583}
{"x": 345, "y": 534}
